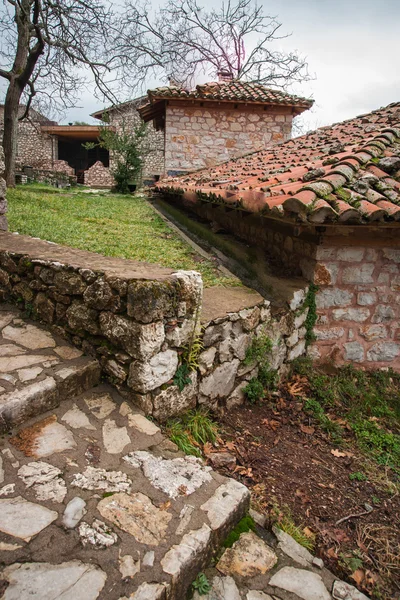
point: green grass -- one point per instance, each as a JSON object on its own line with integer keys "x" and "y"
{"x": 368, "y": 401}
{"x": 110, "y": 224}
{"x": 192, "y": 430}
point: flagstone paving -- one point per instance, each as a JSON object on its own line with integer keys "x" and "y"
{"x": 96, "y": 504}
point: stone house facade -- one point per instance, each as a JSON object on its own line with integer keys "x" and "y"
{"x": 331, "y": 214}
{"x": 126, "y": 117}
{"x": 34, "y": 146}
{"x": 219, "y": 121}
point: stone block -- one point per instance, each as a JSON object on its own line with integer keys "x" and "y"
{"x": 382, "y": 314}
{"x": 350, "y": 254}
{"x": 366, "y": 299}
{"x": 150, "y": 301}
{"x": 82, "y": 319}
{"x": 383, "y": 352}
{"x": 392, "y": 254}
{"x": 358, "y": 275}
{"x": 44, "y": 307}
{"x": 333, "y": 333}
{"x": 373, "y": 332}
{"x": 149, "y": 375}
{"x": 171, "y": 401}
{"x": 206, "y": 360}
{"x": 99, "y": 295}
{"x": 220, "y": 382}
{"x": 328, "y": 297}
{"x": 140, "y": 341}
{"x": 296, "y": 351}
{"x": 358, "y": 315}
{"x": 68, "y": 282}
{"x": 354, "y": 351}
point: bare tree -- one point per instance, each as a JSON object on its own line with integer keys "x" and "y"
{"x": 183, "y": 39}
{"x": 45, "y": 44}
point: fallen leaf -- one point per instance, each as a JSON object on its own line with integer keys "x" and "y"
{"x": 277, "y": 440}
{"x": 274, "y": 424}
{"x": 208, "y": 449}
{"x": 230, "y": 446}
{"x": 165, "y": 505}
{"x": 308, "y": 532}
{"x": 338, "y": 454}
{"x": 332, "y": 553}
{"x": 358, "y": 576}
{"x": 309, "y": 430}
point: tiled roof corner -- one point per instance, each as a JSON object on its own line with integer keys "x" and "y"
{"x": 346, "y": 173}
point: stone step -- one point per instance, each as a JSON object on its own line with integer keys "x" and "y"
{"x": 96, "y": 503}
{"x": 33, "y": 399}
{"x": 38, "y": 370}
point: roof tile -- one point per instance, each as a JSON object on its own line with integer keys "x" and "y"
{"x": 353, "y": 188}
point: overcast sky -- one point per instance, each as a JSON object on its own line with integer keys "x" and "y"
{"x": 352, "y": 48}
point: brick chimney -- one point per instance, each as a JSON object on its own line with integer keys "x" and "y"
{"x": 224, "y": 75}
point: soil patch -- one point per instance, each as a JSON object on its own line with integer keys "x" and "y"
{"x": 293, "y": 468}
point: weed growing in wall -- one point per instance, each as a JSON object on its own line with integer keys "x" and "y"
{"x": 259, "y": 352}
{"x": 192, "y": 430}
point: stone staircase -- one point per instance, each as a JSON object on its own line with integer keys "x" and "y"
{"x": 38, "y": 370}
{"x": 94, "y": 501}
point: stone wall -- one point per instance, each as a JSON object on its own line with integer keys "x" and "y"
{"x": 356, "y": 269}
{"x": 291, "y": 248}
{"x": 197, "y": 137}
{"x": 127, "y": 117}
{"x": 358, "y": 305}
{"x": 99, "y": 176}
{"x": 33, "y": 145}
{"x": 139, "y": 320}
{"x": 3, "y": 199}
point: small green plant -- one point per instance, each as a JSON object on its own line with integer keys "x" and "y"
{"x": 244, "y": 525}
{"x": 311, "y": 319}
{"x": 201, "y": 584}
{"x": 268, "y": 377}
{"x": 177, "y": 434}
{"x": 260, "y": 347}
{"x": 254, "y": 390}
{"x": 358, "y": 476}
{"x": 202, "y": 428}
{"x": 191, "y": 353}
{"x": 351, "y": 562}
{"x": 285, "y": 522}
{"x": 333, "y": 429}
{"x": 192, "y": 430}
{"x": 181, "y": 377}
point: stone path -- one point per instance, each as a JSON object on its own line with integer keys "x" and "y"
{"x": 94, "y": 501}
{"x": 273, "y": 566}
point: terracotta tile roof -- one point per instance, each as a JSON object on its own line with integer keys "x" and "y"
{"x": 231, "y": 91}
{"x": 347, "y": 173}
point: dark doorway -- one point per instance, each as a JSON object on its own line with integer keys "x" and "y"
{"x": 80, "y": 159}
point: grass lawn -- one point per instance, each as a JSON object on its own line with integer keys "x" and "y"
{"x": 110, "y": 224}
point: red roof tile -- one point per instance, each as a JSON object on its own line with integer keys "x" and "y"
{"x": 349, "y": 173}
{"x": 231, "y": 91}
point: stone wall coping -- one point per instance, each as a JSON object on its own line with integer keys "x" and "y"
{"x": 121, "y": 268}
{"x": 219, "y": 301}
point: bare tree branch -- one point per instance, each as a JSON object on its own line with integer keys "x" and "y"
{"x": 185, "y": 39}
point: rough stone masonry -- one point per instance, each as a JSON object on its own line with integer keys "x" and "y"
{"x": 138, "y": 320}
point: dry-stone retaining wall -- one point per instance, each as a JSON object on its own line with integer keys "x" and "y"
{"x": 3, "y": 200}
{"x": 138, "y": 320}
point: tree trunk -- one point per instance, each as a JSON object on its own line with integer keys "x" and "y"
{"x": 10, "y": 135}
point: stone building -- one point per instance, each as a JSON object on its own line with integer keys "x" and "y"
{"x": 325, "y": 206}
{"x": 126, "y": 116}
{"x": 219, "y": 121}
{"x": 48, "y": 148}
